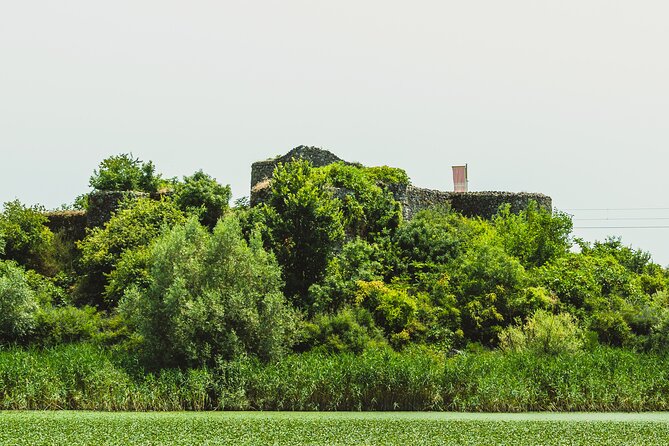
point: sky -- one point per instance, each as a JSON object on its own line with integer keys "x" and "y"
{"x": 567, "y": 98}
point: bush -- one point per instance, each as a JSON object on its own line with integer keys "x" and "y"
{"x": 368, "y": 207}
{"x": 534, "y": 236}
{"x": 349, "y": 330}
{"x": 488, "y": 285}
{"x": 394, "y": 309}
{"x": 435, "y": 237}
{"x": 586, "y": 283}
{"x": 305, "y": 226}
{"x": 134, "y": 226}
{"x": 18, "y": 304}
{"x": 358, "y": 260}
{"x": 544, "y": 332}
{"x": 211, "y": 296}
{"x": 125, "y": 173}
{"x": 24, "y": 235}
{"x": 61, "y": 325}
{"x": 203, "y": 196}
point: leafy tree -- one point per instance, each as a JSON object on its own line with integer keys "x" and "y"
{"x": 125, "y": 173}
{"x": 349, "y": 330}
{"x": 203, "y": 196}
{"x": 534, "y": 236}
{"x": 487, "y": 283}
{"x": 56, "y": 325}
{"x": 544, "y": 333}
{"x": 368, "y": 207}
{"x": 435, "y": 237}
{"x": 211, "y": 296}
{"x": 18, "y": 304}
{"x": 587, "y": 283}
{"x": 305, "y": 226}
{"x": 134, "y": 226}
{"x": 357, "y": 260}
{"x": 24, "y": 235}
{"x": 635, "y": 260}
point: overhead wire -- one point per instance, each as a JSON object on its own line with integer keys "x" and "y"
{"x": 616, "y": 218}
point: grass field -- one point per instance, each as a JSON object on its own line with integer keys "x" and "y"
{"x": 292, "y": 428}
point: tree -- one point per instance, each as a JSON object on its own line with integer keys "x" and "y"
{"x": 305, "y": 225}
{"x": 24, "y": 235}
{"x": 534, "y": 236}
{"x": 203, "y": 196}
{"x": 211, "y": 296}
{"x": 125, "y": 173}
{"x": 18, "y": 304}
{"x": 134, "y": 226}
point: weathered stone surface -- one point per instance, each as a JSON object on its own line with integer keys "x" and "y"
{"x": 263, "y": 170}
{"x": 486, "y": 204}
{"x": 469, "y": 204}
{"x": 413, "y": 199}
{"x": 102, "y": 204}
{"x": 71, "y": 224}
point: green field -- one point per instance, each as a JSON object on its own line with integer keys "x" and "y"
{"x": 289, "y": 428}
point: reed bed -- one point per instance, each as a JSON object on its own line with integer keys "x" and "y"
{"x": 86, "y": 377}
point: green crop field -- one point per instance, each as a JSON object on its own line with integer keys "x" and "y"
{"x": 378, "y": 428}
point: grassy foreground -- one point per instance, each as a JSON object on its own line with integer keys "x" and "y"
{"x": 83, "y": 377}
{"x": 292, "y": 428}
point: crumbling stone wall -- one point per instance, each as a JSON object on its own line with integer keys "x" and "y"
{"x": 71, "y": 224}
{"x": 102, "y": 204}
{"x": 263, "y": 170}
{"x": 486, "y": 204}
{"x": 413, "y": 199}
{"x": 470, "y": 204}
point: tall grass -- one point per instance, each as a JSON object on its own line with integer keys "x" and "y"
{"x": 82, "y": 376}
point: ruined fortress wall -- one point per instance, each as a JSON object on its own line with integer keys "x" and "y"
{"x": 469, "y": 204}
{"x": 486, "y": 204}
{"x": 263, "y": 170}
{"x": 70, "y": 224}
{"x": 102, "y": 204}
{"x": 413, "y": 199}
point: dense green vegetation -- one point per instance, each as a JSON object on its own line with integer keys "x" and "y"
{"x": 322, "y": 297}
{"x": 29, "y": 428}
{"x": 86, "y": 377}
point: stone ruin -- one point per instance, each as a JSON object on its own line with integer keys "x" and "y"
{"x": 412, "y": 199}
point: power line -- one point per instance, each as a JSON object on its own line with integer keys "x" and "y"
{"x": 616, "y": 209}
{"x": 621, "y": 227}
{"x": 622, "y": 218}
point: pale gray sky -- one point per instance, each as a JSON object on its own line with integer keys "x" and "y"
{"x": 569, "y": 98}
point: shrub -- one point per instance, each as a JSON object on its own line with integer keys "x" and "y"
{"x": 349, "y": 330}
{"x": 435, "y": 237}
{"x": 203, "y": 196}
{"x": 358, "y": 260}
{"x": 134, "y": 226}
{"x": 611, "y": 327}
{"x": 394, "y": 310}
{"x": 488, "y": 284}
{"x": 544, "y": 333}
{"x": 18, "y": 304}
{"x": 60, "y": 325}
{"x": 211, "y": 296}
{"x": 583, "y": 282}
{"x": 368, "y": 207}
{"x": 305, "y": 225}
{"x": 125, "y": 173}
{"x": 24, "y": 234}
{"x": 634, "y": 260}
{"x": 534, "y": 236}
